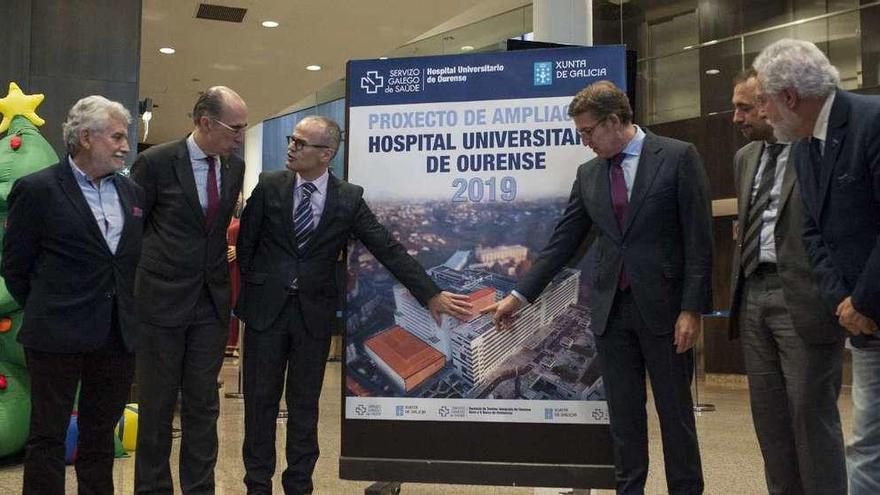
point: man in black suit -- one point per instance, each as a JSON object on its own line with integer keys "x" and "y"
{"x": 71, "y": 248}
{"x": 838, "y": 168}
{"x": 647, "y": 197}
{"x": 296, "y": 225}
{"x": 793, "y": 353}
{"x": 183, "y": 292}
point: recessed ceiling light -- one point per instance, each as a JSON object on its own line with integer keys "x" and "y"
{"x": 383, "y": 58}
{"x": 467, "y": 48}
{"x": 313, "y": 67}
{"x": 270, "y": 24}
{"x": 167, "y": 50}
{"x": 713, "y": 72}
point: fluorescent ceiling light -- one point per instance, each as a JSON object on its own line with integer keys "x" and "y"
{"x": 313, "y": 67}
{"x": 167, "y": 50}
{"x": 270, "y": 24}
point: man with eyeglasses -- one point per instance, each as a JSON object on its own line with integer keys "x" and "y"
{"x": 647, "y": 199}
{"x": 183, "y": 291}
{"x": 294, "y": 229}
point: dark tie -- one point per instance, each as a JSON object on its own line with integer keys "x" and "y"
{"x": 211, "y": 188}
{"x": 303, "y": 217}
{"x": 752, "y": 237}
{"x": 620, "y": 203}
{"x": 816, "y": 159}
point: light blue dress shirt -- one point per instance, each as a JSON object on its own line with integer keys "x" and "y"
{"x": 767, "y": 251}
{"x": 632, "y": 151}
{"x": 317, "y": 199}
{"x": 103, "y": 199}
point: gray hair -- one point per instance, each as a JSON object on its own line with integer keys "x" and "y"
{"x": 331, "y": 128}
{"x": 798, "y": 65}
{"x": 91, "y": 113}
{"x": 211, "y": 103}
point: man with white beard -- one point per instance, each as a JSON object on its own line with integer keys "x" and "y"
{"x": 837, "y": 159}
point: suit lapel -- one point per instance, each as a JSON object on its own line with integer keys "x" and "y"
{"x": 650, "y": 161}
{"x": 185, "y": 176}
{"x": 788, "y": 179}
{"x": 747, "y": 182}
{"x": 605, "y": 214}
{"x": 833, "y": 143}
{"x": 124, "y": 194}
{"x": 227, "y": 179}
{"x": 286, "y": 191}
{"x": 329, "y": 207}
{"x": 75, "y": 195}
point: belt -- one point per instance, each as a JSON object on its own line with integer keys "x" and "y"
{"x": 765, "y": 268}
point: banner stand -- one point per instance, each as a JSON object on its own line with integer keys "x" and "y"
{"x": 469, "y": 161}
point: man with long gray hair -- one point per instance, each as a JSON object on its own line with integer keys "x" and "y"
{"x": 72, "y": 242}
{"x": 838, "y": 165}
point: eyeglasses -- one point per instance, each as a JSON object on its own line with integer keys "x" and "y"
{"x": 299, "y": 144}
{"x": 587, "y": 132}
{"x": 237, "y": 129}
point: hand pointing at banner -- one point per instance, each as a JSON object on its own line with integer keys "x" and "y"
{"x": 503, "y": 310}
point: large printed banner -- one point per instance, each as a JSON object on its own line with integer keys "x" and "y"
{"x": 469, "y": 160}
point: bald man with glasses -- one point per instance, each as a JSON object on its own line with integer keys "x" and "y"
{"x": 183, "y": 291}
{"x": 296, "y": 225}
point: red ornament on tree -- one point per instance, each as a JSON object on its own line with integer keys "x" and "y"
{"x": 3, "y": 382}
{"x": 15, "y": 142}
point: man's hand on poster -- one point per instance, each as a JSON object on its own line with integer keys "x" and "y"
{"x": 503, "y": 310}
{"x": 230, "y": 254}
{"x": 855, "y": 323}
{"x": 687, "y": 329}
{"x": 455, "y": 305}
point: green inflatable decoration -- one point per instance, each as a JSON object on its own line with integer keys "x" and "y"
{"x": 15, "y": 408}
{"x": 22, "y": 151}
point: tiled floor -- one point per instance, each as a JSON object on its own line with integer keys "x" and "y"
{"x": 731, "y": 460}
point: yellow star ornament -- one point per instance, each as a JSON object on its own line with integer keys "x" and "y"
{"x": 18, "y": 103}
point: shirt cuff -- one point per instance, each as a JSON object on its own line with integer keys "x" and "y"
{"x": 522, "y": 298}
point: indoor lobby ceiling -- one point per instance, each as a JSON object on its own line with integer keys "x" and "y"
{"x": 267, "y": 66}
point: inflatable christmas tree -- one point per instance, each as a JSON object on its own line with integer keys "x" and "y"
{"x": 22, "y": 151}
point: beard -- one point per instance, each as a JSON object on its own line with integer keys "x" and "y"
{"x": 786, "y": 129}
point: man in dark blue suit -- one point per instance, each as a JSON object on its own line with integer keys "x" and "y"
{"x": 647, "y": 198}
{"x": 838, "y": 166}
{"x": 295, "y": 228}
{"x": 72, "y": 243}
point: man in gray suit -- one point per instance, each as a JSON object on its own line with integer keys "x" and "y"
{"x": 793, "y": 352}
{"x": 647, "y": 199}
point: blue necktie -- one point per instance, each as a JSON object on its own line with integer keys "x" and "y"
{"x": 303, "y": 217}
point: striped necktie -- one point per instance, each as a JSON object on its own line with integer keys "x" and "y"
{"x": 752, "y": 238}
{"x": 303, "y": 217}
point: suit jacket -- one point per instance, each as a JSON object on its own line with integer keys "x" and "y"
{"x": 665, "y": 244}
{"x": 799, "y": 288}
{"x": 181, "y": 254}
{"x": 58, "y": 267}
{"x": 842, "y": 221}
{"x": 269, "y": 258}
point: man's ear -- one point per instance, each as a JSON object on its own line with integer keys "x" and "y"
{"x": 789, "y": 98}
{"x": 85, "y": 138}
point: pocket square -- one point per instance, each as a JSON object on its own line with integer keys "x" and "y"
{"x": 136, "y": 211}
{"x": 845, "y": 179}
